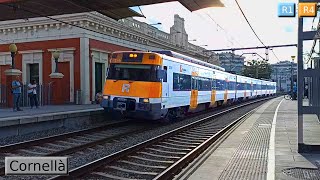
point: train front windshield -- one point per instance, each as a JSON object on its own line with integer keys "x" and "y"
{"x": 133, "y": 72}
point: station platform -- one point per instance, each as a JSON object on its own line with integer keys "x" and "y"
{"x": 47, "y": 117}
{"x": 27, "y": 111}
{"x": 264, "y": 146}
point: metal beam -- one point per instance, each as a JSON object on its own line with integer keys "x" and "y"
{"x": 311, "y": 1}
{"x": 309, "y": 35}
{"x": 258, "y": 47}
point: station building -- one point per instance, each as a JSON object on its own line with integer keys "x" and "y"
{"x": 85, "y": 42}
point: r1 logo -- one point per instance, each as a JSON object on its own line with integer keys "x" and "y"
{"x": 286, "y": 10}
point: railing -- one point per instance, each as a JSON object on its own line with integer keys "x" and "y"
{"x": 3, "y": 96}
{"x": 44, "y": 95}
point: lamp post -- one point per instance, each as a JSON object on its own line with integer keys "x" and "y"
{"x": 56, "y": 56}
{"x": 12, "y": 71}
{"x": 159, "y": 23}
{"x": 13, "y": 50}
{"x": 56, "y": 74}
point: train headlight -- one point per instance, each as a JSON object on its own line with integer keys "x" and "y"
{"x": 144, "y": 100}
{"x": 106, "y": 97}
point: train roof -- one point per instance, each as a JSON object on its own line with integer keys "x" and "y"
{"x": 195, "y": 61}
{"x": 189, "y": 59}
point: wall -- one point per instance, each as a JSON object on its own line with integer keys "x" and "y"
{"x": 99, "y": 49}
{"x": 40, "y": 48}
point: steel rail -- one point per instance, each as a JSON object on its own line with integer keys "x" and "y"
{"x": 89, "y": 167}
{"x": 35, "y": 142}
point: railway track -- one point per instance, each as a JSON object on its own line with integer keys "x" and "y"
{"x": 163, "y": 156}
{"x": 73, "y": 142}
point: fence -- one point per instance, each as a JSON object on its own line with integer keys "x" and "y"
{"x": 3, "y": 96}
{"x": 44, "y": 95}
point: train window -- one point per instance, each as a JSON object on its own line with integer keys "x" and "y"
{"x": 238, "y": 87}
{"x": 232, "y": 85}
{"x": 133, "y": 72}
{"x": 221, "y": 85}
{"x": 214, "y": 84}
{"x": 204, "y": 84}
{"x": 165, "y": 68}
{"x": 218, "y": 84}
{"x": 181, "y": 82}
{"x": 194, "y": 83}
{"x": 248, "y": 86}
{"x": 259, "y": 86}
{"x": 264, "y": 87}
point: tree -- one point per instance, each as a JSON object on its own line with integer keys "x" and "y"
{"x": 257, "y": 69}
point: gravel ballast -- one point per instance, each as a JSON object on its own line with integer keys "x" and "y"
{"x": 109, "y": 148}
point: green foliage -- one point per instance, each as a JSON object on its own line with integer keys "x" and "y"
{"x": 257, "y": 69}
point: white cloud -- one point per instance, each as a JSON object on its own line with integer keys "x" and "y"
{"x": 261, "y": 14}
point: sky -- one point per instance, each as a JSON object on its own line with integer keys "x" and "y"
{"x": 225, "y": 27}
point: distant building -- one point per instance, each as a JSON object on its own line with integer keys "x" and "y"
{"x": 231, "y": 62}
{"x": 179, "y": 38}
{"x": 282, "y": 74}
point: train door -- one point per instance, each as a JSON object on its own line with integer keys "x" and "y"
{"x": 236, "y": 87}
{"x": 165, "y": 84}
{"x": 225, "y": 95}
{"x": 245, "y": 90}
{"x": 251, "y": 88}
{"x": 194, "y": 93}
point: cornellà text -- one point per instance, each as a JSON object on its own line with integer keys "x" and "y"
{"x": 36, "y": 165}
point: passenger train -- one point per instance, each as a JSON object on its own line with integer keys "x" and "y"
{"x": 166, "y": 85}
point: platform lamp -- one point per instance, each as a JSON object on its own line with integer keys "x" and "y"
{"x": 12, "y": 71}
{"x": 13, "y": 50}
{"x": 56, "y": 55}
{"x": 56, "y": 74}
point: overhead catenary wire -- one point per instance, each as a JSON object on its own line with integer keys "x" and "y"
{"x": 219, "y": 26}
{"x": 249, "y": 24}
{"x": 252, "y": 28}
{"x": 141, "y": 11}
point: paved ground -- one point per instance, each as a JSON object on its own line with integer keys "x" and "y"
{"x": 259, "y": 150}
{"x": 4, "y": 113}
{"x": 287, "y": 156}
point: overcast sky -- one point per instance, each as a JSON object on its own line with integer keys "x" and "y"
{"x": 232, "y": 30}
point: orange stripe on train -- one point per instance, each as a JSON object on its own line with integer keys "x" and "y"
{"x": 213, "y": 97}
{"x": 225, "y": 96}
{"x": 133, "y": 89}
{"x": 194, "y": 99}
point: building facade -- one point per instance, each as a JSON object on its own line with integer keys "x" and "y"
{"x": 85, "y": 42}
{"x": 231, "y": 62}
{"x": 282, "y": 73}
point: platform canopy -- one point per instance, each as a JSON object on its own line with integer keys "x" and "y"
{"x": 116, "y": 9}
